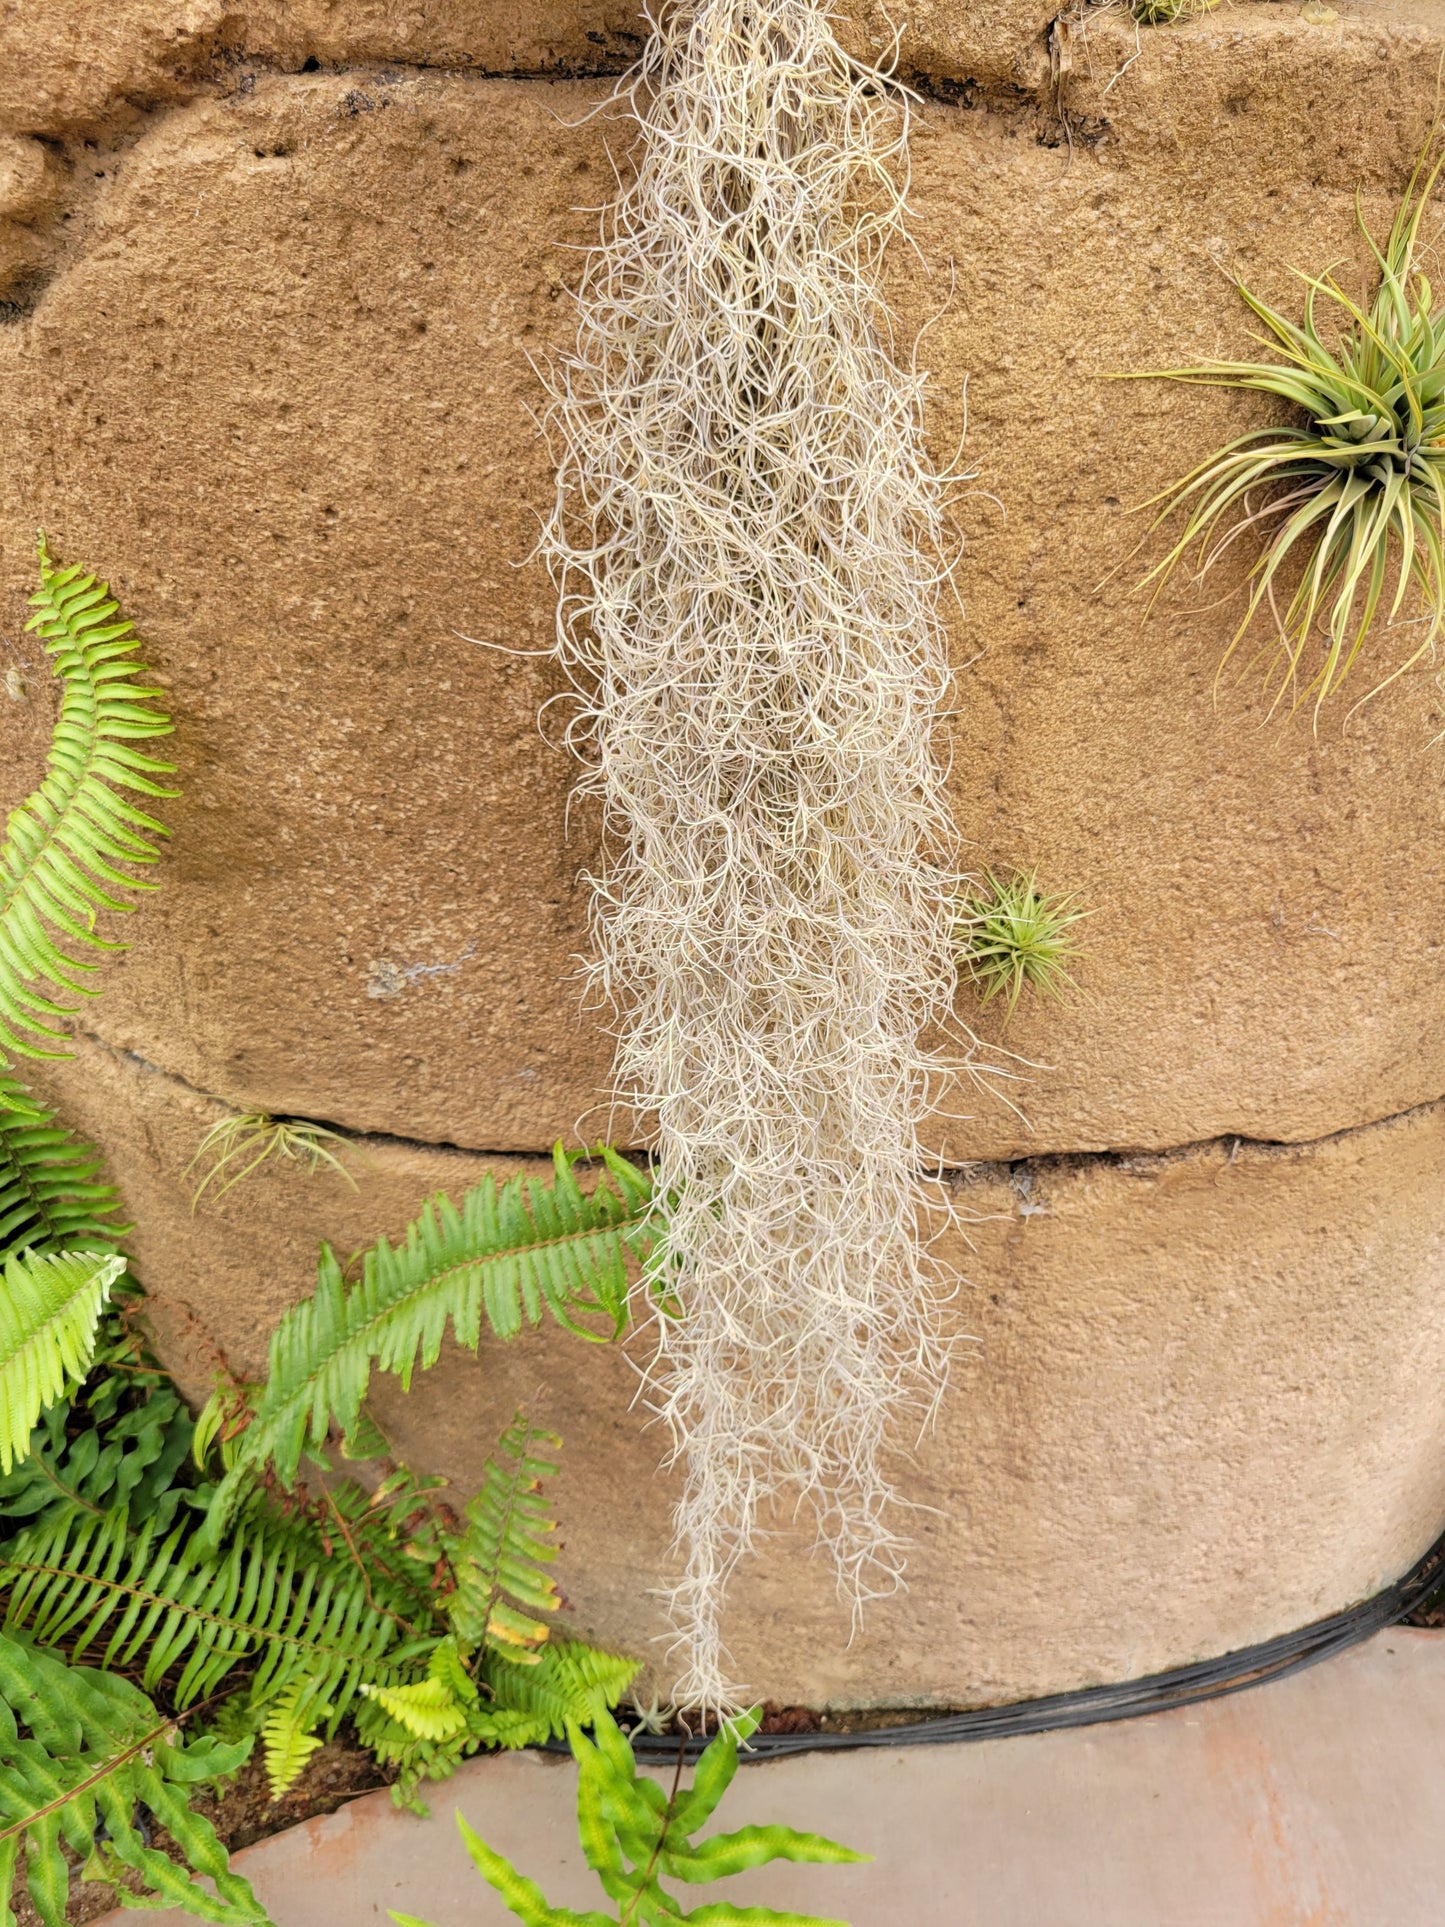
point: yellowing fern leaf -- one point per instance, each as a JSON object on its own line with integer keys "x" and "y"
{"x": 428, "y": 1708}
{"x": 287, "y": 1735}
{"x": 498, "y": 1560}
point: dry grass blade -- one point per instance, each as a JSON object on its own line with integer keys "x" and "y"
{"x": 1351, "y": 486}
{"x": 748, "y": 545}
{"x": 242, "y": 1143}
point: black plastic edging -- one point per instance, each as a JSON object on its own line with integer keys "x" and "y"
{"x": 1091, "y": 1705}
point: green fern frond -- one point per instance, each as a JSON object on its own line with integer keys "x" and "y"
{"x": 80, "y": 1753}
{"x": 288, "y": 1736}
{"x": 49, "y": 1316}
{"x": 511, "y": 1252}
{"x": 632, "y": 1835}
{"x": 58, "y": 864}
{"x": 52, "y": 1193}
{"x": 140, "y": 1598}
{"x": 127, "y": 1456}
{"x": 567, "y": 1684}
{"x": 507, "y": 1539}
{"x": 427, "y": 1708}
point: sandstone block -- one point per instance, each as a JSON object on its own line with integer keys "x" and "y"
{"x": 283, "y": 398}
{"x": 1199, "y": 1407}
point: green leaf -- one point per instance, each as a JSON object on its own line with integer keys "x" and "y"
{"x": 508, "y": 1538}
{"x": 288, "y": 1734}
{"x": 510, "y": 1251}
{"x": 49, "y": 1316}
{"x": 730, "y": 1853}
{"x": 82, "y": 1751}
{"x": 427, "y": 1708}
{"x": 523, "y": 1897}
{"x": 58, "y": 866}
{"x": 52, "y": 1194}
{"x": 140, "y": 1598}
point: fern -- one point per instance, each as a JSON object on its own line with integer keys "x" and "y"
{"x": 633, "y": 1835}
{"x": 568, "y": 1684}
{"x": 80, "y": 1754}
{"x": 497, "y": 1559}
{"x": 288, "y": 1734}
{"x": 152, "y": 1601}
{"x": 511, "y": 1251}
{"x": 128, "y": 1457}
{"x": 57, "y": 868}
{"x": 427, "y": 1727}
{"x": 52, "y": 1195}
{"x": 49, "y": 1317}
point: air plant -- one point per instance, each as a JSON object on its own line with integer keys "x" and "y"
{"x": 1013, "y": 936}
{"x": 1163, "y": 13}
{"x": 748, "y": 542}
{"x": 249, "y": 1138}
{"x": 1356, "y": 479}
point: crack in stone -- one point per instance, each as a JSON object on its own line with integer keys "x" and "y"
{"x": 1018, "y": 1172}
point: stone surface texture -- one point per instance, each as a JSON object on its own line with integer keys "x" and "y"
{"x": 1200, "y": 1405}
{"x": 273, "y": 282}
{"x": 1309, "y": 1802}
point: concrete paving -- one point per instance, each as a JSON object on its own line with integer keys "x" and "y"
{"x": 1316, "y": 1801}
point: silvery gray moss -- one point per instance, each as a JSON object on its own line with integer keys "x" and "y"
{"x": 748, "y": 544}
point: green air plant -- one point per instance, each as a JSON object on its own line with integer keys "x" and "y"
{"x": 242, "y": 1143}
{"x": 1354, "y": 482}
{"x": 634, "y": 1836}
{"x": 1013, "y": 936}
{"x": 748, "y": 543}
{"x": 1163, "y": 13}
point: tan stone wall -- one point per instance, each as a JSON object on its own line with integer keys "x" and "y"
{"x": 1201, "y": 1406}
{"x": 268, "y": 366}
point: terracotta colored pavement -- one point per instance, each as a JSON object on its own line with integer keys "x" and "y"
{"x": 1318, "y": 1801}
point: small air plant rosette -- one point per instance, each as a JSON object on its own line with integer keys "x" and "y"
{"x": 1350, "y": 491}
{"x": 1013, "y": 936}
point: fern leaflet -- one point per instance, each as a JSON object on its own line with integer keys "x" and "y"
{"x": 510, "y": 1251}
{"x": 288, "y": 1735}
{"x": 49, "y": 1317}
{"x": 80, "y": 1753}
{"x": 57, "y": 868}
{"x": 568, "y": 1684}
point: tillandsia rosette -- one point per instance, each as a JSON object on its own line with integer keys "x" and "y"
{"x": 1351, "y": 491}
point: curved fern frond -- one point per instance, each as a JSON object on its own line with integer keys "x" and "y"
{"x": 427, "y": 1708}
{"x": 507, "y": 1540}
{"x": 52, "y": 1193}
{"x": 81, "y": 1753}
{"x": 62, "y": 846}
{"x": 49, "y": 1316}
{"x": 138, "y": 1598}
{"x": 512, "y": 1251}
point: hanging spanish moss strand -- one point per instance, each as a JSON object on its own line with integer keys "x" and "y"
{"x": 747, "y": 541}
